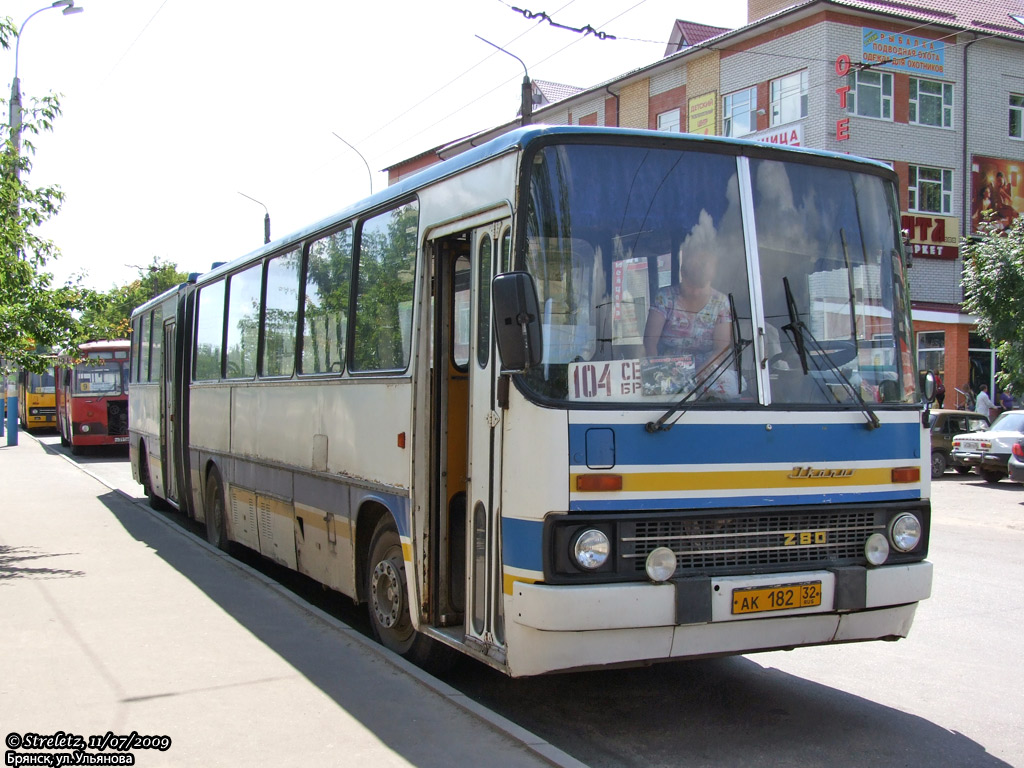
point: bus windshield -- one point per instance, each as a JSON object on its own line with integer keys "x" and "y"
{"x": 41, "y": 383}
{"x": 675, "y": 275}
{"x": 99, "y": 378}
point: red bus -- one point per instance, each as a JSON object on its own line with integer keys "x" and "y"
{"x": 92, "y": 395}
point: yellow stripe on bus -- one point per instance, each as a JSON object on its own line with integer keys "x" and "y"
{"x": 510, "y": 580}
{"x": 795, "y": 478}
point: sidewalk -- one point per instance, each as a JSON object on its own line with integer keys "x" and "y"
{"x": 116, "y": 621}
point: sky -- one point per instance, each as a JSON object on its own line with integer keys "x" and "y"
{"x": 175, "y": 110}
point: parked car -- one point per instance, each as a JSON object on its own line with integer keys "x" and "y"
{"x": 945, "y": 423}
{"x": 1015, "y": 464}
{"x": 989, "y": 451}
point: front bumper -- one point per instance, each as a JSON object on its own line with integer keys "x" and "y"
{"x": 993, "y": 461}
{"x": 564, "y": 627}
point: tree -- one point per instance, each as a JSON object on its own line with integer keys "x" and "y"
{"x": 35, "y": 316}
{"x": 993, "y": 285}
{"x": 110, "y": 314}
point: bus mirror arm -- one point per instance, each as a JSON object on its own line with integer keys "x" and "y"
{"x": 517, "y": 321}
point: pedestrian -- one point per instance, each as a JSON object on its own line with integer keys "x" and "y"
{"x": 983, "y": 403}
{"x": 1006, "y": 400}
{"x": 940, "y": 390}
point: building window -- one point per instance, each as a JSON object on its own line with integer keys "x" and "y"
{"x": 789, "y": 98}
{"x": 931, "y": 190}
{"x": 1016, "y": 116}
{"x": 739, "y": 116}
{"x": 669, "y": 121}
{"x": 870, "y": 94}
{"x": 931, "y": 103}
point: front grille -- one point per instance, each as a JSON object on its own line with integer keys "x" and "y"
{"x": 761, "y": 542}
{"x": 117, "y": 417}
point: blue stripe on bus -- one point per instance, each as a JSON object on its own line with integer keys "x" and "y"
{"x": 752, "y": 443}
{"x": 522, "y": 543}
{"x": 714, "y": 502}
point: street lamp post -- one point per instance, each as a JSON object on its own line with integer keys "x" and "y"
{"x": 368, "y": 171}
{"x": 266, "y": 217}
{"x": 14, "y": 123}
{"x": 526, "y": 100}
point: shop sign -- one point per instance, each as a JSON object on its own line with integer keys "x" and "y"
{"x": 933, "y": 237}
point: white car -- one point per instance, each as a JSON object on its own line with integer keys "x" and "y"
{"x": 989, "y": 451}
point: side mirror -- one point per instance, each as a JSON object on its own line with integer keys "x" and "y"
{"x": 928, "y": 386}
{"x": 517, "y": 321}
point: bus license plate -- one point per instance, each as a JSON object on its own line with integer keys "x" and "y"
{"x": 120, "y": 439}
{"x": 779, "y": 598}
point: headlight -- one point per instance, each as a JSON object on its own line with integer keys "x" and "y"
{"x": 661, "y": 564}
{"x": 906, "y": 532}
{"x": 876, "y": 549}
{"x": 85, "y": 427}
{"x": 591, "y": 549}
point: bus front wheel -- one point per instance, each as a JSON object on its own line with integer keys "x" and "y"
{"x": 216, "y": 533}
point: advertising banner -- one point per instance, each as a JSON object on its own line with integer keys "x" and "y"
{"x": 996, "y": 194}
{"x": 702, "y": 114}
{"x": 904, "y": 52}
{"x": 931, "y": 236}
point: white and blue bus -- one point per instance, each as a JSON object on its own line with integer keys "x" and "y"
{"x": 445, "y": 402}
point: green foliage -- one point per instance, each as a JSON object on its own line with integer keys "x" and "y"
{"x": 110, "y": 313}
{"x": 35, "y": 316}
{"x": 994, "y": 291}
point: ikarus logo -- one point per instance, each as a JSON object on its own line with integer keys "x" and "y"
{"x": 810, "y": 473}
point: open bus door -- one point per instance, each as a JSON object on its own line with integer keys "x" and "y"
{"x": 167, "y": 415}
{"x": 465, "y": 528}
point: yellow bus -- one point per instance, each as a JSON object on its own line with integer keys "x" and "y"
{"x": 37, "y": 405}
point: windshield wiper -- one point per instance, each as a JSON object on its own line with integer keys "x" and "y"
{"x": 801, "y": 335}
{"x": 718, "y": 365}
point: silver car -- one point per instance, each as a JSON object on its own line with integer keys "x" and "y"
{"x": 990, "y": 451}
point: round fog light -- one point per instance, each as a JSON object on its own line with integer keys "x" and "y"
{"x": 876, "y": 549}
{"x": 661, "y": 564}
{"x": 906, "y": 532}
{"x": 85, "y": 427}
{"x": 591, "y": 549}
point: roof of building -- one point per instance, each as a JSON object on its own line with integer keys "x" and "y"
{"x": 984, "y": 16}
{"x": 687, "y": 33}
{"x": 553, "y": 92}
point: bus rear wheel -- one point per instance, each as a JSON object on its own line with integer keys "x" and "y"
{"x": 216, "y": 532}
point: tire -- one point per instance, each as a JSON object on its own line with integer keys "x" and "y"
{"x": 938, "y": 464}
{"x": 991, "y": 475}
{"x": 387, "y": 596}
{"x": 216, "y": 532}
{"x": 155, "y": 502}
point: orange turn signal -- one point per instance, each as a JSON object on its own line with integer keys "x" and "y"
{"x": 401, "y": 439}
{"x": 599, "y": 482}
{"x": 906, "y": 475}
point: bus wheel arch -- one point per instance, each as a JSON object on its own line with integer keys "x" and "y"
{"x": 214, "y": 507}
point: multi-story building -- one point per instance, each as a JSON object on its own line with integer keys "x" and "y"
{"x": 935, "y": 88}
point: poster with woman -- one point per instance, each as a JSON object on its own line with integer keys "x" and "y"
{"x": 996, "y": 195}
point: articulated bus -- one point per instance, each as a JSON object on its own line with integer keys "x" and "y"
{"x": 92, "y": 395}
{"x": 37, "y": 403}
{"x": 444, "y": 402}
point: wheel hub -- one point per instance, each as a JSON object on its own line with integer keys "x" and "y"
{"x": 386, "y": 593}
